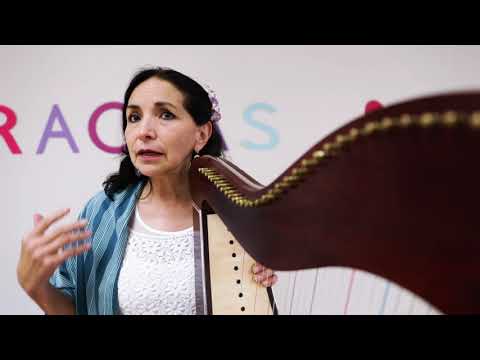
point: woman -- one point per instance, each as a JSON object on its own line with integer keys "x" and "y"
{"x": 138, "y": 257}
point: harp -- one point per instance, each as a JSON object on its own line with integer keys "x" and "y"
{"x": 380, "y": 216}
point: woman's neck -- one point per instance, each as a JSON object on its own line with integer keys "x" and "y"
{"x": 168, "y": 190}
{"x": 166, "y": 203}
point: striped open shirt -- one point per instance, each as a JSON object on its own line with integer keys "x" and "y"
{"x": 91, "y": 279}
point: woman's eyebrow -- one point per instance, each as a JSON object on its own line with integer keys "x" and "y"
{"x": 163, "y": 103}
{"x": 157, "y": 104}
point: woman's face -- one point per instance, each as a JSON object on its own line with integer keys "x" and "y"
{"x": 160, "y": 133}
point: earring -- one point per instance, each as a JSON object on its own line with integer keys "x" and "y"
{"x": 138, "y": 173}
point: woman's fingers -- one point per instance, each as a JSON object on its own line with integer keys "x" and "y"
{"x": 65, "y": 229}
{"x": 256, "y": 268}
{"x": 264, "y": 275}
{"x": 36, "y": 219}
{"x": 47, "y": 221}
{"x": 64, "y": 239}
{"x": 270, "y": 281}
{"x": 60, "y": 257}
{"x": 41, "y": 253}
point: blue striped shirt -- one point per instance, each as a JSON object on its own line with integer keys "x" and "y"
{"x": 91, "y": 279}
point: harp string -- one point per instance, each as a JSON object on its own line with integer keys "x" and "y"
{"x": 329, "y": 290}
{"x": 274, "y": 308}
{"x": 347, "y": 291}
{"x": 244, "y": 271}
{"x": 293, "y": 291}
{"x": 314, "y": 291}
{"x": 397, "y": 302}
{"x": 385, "y": 298}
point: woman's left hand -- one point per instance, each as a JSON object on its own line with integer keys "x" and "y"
{"x": 263, "y": 275}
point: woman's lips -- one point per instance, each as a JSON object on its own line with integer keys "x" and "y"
{"x": 149, "y": 155}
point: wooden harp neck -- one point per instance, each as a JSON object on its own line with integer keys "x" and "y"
{"x": 394, "y": 193}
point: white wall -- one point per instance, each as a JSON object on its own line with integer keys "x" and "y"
{"x": 313, "y": 89}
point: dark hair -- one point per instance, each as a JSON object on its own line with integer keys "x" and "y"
{"x": 196, "y": 102}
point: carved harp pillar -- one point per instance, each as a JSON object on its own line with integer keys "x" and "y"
{"x": 379, "y": 215}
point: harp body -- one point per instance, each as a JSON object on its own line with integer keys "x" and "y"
{"x": 224, "y": 269}
{"x": 394, "y": 194}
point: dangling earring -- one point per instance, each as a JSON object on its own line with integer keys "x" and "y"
{"x": 138, "y": 173}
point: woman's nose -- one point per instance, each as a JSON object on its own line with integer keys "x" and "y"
{"x": 147, "y": 129}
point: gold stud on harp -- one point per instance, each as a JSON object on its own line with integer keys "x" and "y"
{"x": 353, "y": 134}
{"x": 369, "y": 128}
{"x": 299, "y": 171}
{"x": 216, "y": 177}
{"x": 309, "y": 162}
{"x": 405, "y": 120}
{"x": 340, "y": 140}
{"x": 475, "y": 120}
{"x": 449, "y": 118}
{"x": 221, "y": 182}
{"x": 327, "y": 147}
{"x": 319, "y": 155}
{"x": 290, "y": 179}
{"x": 386, "y": 123}
{"x": 427, "y": 120}
{"x": 280, "y": 185}
{"x": 206, "y": 170}
{"x": 276, "y": 191}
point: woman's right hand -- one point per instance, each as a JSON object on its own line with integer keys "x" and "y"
{"x": 42, "y": 253}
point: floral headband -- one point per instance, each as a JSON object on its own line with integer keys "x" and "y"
{"x": 216, "y": 115}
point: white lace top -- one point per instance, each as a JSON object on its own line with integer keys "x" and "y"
{"x": 157, "y": 273}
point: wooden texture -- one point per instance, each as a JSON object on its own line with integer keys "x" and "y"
{"x": 232, "y": 287}
{"x": 401, "y": 204}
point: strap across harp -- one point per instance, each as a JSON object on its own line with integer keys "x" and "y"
{"x": 393, "y": 195}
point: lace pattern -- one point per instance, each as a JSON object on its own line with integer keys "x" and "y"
{"x": 157, "y": 274}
